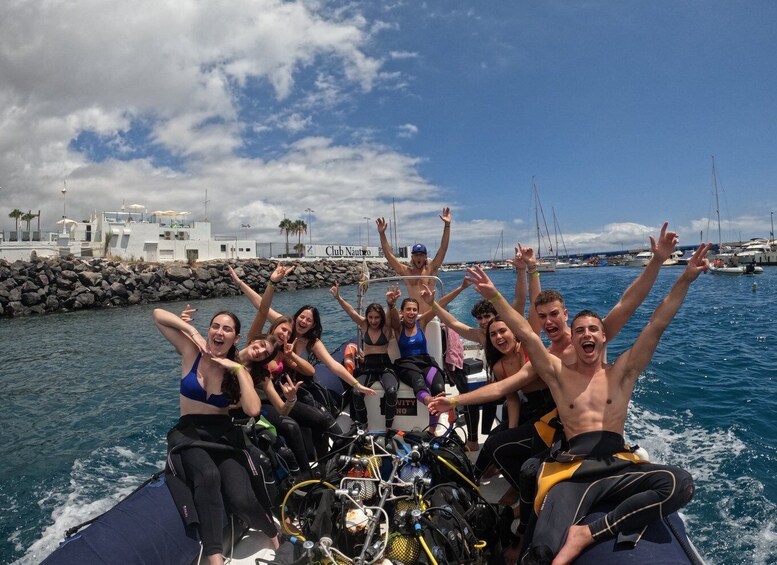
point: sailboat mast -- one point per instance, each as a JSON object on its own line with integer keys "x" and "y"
{"x": 537, "y": 218}
{"x": 717, "y": 202}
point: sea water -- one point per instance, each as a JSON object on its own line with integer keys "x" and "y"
{"x": 89, "y": 396}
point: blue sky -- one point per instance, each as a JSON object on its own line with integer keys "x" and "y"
{"x": 274, "y": 107}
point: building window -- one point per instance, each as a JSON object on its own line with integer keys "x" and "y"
{"x": 223, "y": 248}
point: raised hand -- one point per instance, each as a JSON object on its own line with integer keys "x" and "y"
{"x": 335, "y": 290}
{"x": 382, "y": 225}
{"x": 290, "y": 388}
{"x": 392, "y": 295}
{"x": 483, "y": 285}
{"x": 288, "y": 348}
{"x": 446, "y": 216}
{"x": 698, "y": 263}
{"x": 280, "y": 272}
{"x": 187, "y": 314}
{"x": 234, "y": 276}
{"x": 439, "y": 404}
{"x": 427, "y": 294}
{"x": 667, "y": 241}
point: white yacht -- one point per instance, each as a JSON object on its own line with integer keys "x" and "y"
{"x": 641, "y": 259}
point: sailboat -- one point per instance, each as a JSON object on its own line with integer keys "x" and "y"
{"x": 565, "y": 264}
{"x": 727, "y": 263}
{"x": 543, "y": 265}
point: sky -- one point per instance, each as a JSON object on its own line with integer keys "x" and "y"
{"x": 333, "y": 112}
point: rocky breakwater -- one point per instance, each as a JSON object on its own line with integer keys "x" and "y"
{"x": 60, "y": 285}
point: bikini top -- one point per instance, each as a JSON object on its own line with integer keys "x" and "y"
{"x": 192, "y": 389}
{"x": 412, "y": 345}
{"x": 382, "y": 340}
{"x": 278, "y": 369}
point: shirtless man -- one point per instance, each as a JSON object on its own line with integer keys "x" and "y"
{"x": 593, "y": 398}
{"x": 419, "y": 262}
{"x": 550, "y": 308}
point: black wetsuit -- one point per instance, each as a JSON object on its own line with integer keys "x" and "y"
{"x": 599, "y": 471}
{"x": 208, "y": 473}
{"x": 377, "y": 367}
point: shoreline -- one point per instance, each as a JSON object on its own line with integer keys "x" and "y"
{"x": 44, "y": 286}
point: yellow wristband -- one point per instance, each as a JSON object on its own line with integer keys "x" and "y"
{"x": 536, "y": 273}
{"x": 454, "y": 402}
{"x": 495, "y": 298}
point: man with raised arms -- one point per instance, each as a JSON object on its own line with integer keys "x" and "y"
{"x": 551, "y": 310}
{"x": 419, "y": 262}
{"x": 593, "y": 398}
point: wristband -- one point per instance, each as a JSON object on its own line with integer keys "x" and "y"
{"x": 532, "y": 271}
{"x": 236, "y": 368}
{"x": 454, "y": 400}
{"x": 495, "y": 298}
{"x": 270, "y": 283}
{"x": 291, "y": 401}
{"x": 434, "y": 303}
{"x": 535, "y": 273}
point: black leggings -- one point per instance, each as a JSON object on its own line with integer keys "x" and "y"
{"x": 472, "y": 413}
{"x": 377, "y": 368}
{"x": 316, "y": 423}
{"x": 210, "y": 475}
{"x": 645, "y": 493}
{"x": 291, "y": 433}
{"x": 508, "y": 449}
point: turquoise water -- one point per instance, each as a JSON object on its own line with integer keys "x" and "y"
{"x": 89, "y": 397}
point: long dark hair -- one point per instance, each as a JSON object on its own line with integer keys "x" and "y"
{"x": 375, "y": 307}
{"x": 229, "y": 384}
{"x": 258, "y": 369}
{"x": 493, "y": 355}
{"x": 314, "y": 333}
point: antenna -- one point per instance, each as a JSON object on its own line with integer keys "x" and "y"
{"x": 206, "y": 204}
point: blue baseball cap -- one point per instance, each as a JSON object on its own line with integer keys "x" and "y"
{"x": 419, "y": 248}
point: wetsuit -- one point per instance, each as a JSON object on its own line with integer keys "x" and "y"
{"x": 416, "y": 368}
{"x": 376, "y": 367}
{"x": 198, "y": 476}
{"x": 314, "y": 419}
{"x": 597, "y": 466}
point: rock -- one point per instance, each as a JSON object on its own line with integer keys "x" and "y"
{"x": 119, "y": 289}
{"x": 30, "y": 298}
{"x": 179, "y": 274}
{"x": 89, "y": 278}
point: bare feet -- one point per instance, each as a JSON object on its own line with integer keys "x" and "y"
{"x": 216, "y": 559}
{"x": 578, "y": 538}
{"x": 276, "y": 542}
{"x": 510, "y": 497}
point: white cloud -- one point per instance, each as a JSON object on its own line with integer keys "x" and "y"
{"x": 407, "y": 131}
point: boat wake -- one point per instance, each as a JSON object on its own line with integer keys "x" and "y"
{"x": 96, "y": 484}
{"x": 719, "y": 462}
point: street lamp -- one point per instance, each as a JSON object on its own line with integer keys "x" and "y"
{"x": 310, "y": 224}
{"x": 245, "y": 227}
{"x": 368, "y": 228}
{"x": 64, "y": 206}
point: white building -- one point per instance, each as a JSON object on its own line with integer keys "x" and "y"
{"x": 160, "y": 237}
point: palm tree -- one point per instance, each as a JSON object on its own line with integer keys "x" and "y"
{"x": 16, "y": 214}
{"x": 287, "y": 226}
{"x": 300, "y": 228}
{"x": 28, "y": 217}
